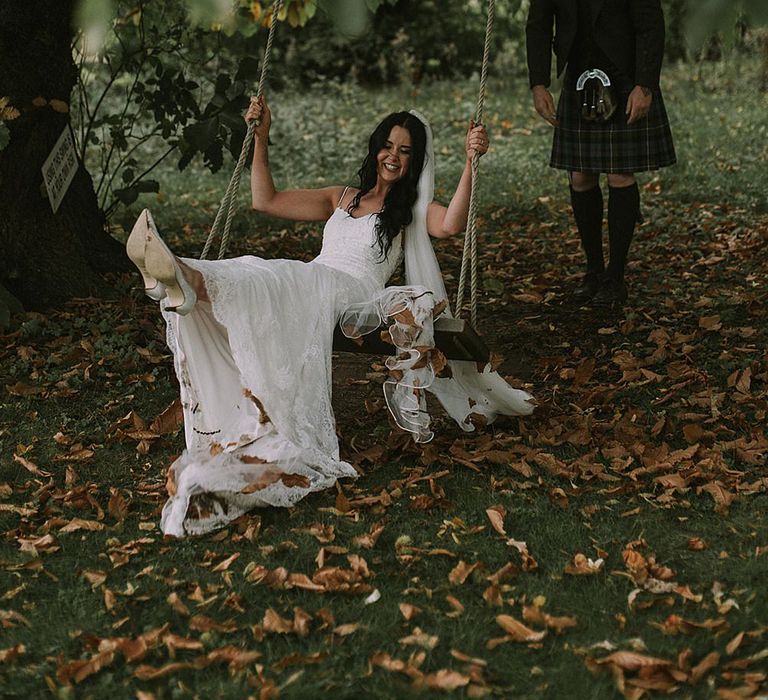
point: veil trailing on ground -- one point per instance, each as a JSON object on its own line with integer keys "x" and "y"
{"x": 463, "y": 389}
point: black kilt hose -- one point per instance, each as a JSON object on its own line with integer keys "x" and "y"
{"x": 613, "y": 146}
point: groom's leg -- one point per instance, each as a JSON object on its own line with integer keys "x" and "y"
{"x": 587, "y": 205}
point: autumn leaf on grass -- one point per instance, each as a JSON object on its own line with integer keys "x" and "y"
{"x": 584, "y": 371}
{"x": 408, "y": 611}
{"x": 81, "y": 669}
{"x": 535, "y": 615}
{"x": 170, "y": 420}
{"x": 734, "y": 644}
{"x": 492, "y": 595}
{"x": 444, "y": 679}
{"x": 506, "y": 572}
{"x": 94, "y": 577}
{"x": 409, "y": 668}
{"x": 322, "y": 533}
{"x": 76, "y": 453}
{"x": 11, "y": 618}
{"x": 723, "y": 606}
{"x": 467, "y": 659}
{"x": 674, "y": 624}
{"x": 496, "y": 515}
{"x": 722, "y": 497}
{"x": 11, "y": 654}
{"x": 704, "y": 667}
{"x": 456, "y": 605}
{"x": 710, "y": 323}
{"x": 177, "y": 604}
{"x": 529, "y": 563}
{"x": 583, "y": 566}
{"x": 300, "y": 660}
{"x": 31, "y": 467}
{"x": 151, "y": 673}
{"x": 21, "y": 389}
{"x": 79, "y": 524}
{"x": 202, "y": 623}
{"x": 516, "y": 632}
{"x": 301, "y": 621}
{"x": 273, "y": 622}
{"x": 420, "y": 639}
{"x": 658, "y": 674}
{"x": 461, "y": 571}
{"x": 368, "y": 540}
{"x": 118, "y": 505}
{"x": 226, "y": 563}
{"x": 35, "y": 545}
{"x": 645, "y": 571}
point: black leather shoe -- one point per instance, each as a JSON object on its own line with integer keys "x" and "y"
{"x": 588, "y": 288}
{"x": 612, "y": 293}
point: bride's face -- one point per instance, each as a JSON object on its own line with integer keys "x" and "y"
{"x": 394, "y": 158}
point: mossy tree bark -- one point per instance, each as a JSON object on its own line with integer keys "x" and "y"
{"x": 45, "y": 258}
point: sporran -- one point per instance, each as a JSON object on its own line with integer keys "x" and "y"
{"x": 597, "y": 100}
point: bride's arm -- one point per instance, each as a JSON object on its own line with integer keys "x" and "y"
{"x": 443, "y": 222}
{"x": 298, "y": 205}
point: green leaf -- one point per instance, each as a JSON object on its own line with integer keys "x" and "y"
{"x": 199, "y": 136}
{"x": 148, "y": 186}
{"x": 128, "y": 195}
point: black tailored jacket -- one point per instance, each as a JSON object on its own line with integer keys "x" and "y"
{"x": 629, "y": 32}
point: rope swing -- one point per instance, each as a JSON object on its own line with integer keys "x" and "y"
{"x": 228, "y": 201}
{"x": 470, "y": 238}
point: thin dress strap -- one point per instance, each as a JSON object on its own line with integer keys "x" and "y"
{"x": 341, "y": 199}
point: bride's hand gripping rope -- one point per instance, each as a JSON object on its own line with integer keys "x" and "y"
{"x": 477, "y": 140}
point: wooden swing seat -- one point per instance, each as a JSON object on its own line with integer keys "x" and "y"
{"x": 454, "y": 337}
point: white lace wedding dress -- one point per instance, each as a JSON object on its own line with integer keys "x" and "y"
{"x": 254, "y": 366}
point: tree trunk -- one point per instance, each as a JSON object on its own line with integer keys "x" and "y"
{"x": 45, "y": 258}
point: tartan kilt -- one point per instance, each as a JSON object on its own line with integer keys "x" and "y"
{"x": 612, "y": 146}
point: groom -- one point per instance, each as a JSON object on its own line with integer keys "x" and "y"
{"x": 624, "y": 41}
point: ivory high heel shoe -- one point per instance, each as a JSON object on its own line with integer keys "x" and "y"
{"x": 135, "y": 247}
{"x": 161, "y": 265}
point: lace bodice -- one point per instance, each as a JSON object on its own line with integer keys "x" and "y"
{"x": 349, "y": 245}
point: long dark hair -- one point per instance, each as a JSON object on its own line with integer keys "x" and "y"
{"x": 398, "y": 204}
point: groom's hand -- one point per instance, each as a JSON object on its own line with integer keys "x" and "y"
{"x": 544, "y": 104}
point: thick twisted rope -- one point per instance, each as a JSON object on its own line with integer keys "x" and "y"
{"x": 470, "y": 238}
{"x": 228, "y": 201}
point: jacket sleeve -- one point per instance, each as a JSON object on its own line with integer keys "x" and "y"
{"x": 648, "y": 21}
{"x": 538, "y": 41}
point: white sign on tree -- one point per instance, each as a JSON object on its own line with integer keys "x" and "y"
{"x": 59, "y": 168}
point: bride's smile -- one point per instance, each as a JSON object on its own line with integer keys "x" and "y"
{"x": 394, "y": 158}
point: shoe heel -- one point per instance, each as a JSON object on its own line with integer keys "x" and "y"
{"x": 135, "y": 248}
{"x": 162, "y": 265}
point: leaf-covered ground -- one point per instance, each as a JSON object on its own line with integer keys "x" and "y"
{"x": 616, "y": 542}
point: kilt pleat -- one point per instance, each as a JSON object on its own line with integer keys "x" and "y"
{"x": 613, "y": 146}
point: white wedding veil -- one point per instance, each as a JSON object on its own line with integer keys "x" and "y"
{"x": 468, "y": 390}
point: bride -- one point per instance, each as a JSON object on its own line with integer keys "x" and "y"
{"x": 252, "y": 338}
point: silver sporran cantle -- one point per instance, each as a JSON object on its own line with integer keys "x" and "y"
{"x": 597, "y": 100}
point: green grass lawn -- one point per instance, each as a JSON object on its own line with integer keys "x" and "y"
{"x": 647, "y": 451}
